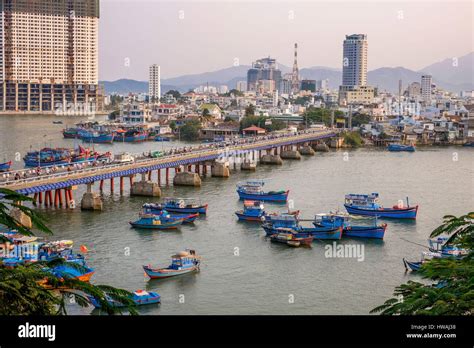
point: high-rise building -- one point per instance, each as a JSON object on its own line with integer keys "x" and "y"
{"x": 354, "y": 67}
{"x": 49, "y": 56}
{"x": 354, "y": 89}
{"x": 308, "y": 85}
{"x": 154, "y": 83}
{"x": 426, "y": 82}
{"x": 242, "y": 86}
{"x": 263, "y": 69}
{"x": 413, "y": 90}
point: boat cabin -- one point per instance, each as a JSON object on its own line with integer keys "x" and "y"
{"x": 370, "y": 200}
{"x": 185, "y": 258}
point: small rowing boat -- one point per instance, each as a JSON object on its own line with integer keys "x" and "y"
{"x": 184, "y": 262}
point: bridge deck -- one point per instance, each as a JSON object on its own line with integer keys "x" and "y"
{"x": 84, "y": 176}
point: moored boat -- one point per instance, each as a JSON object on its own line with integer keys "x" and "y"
{"x": 359, "y": 204}
{"x": 178, "y": 205}
{"x": 445, "y": 249}
{"x": 139, "y": 297}
{"x": 253, "y": 190}
{"x": 400, "y": 147}
{"x": 416, "y": 265}
{"x": 159, "y": 222}
{"x": 290, "y": 238}
{"x": 253, "y": 211}
{"x": 5, "y": 167}
{"x": 131, "y": 136}
{"x": 98, "y": 137}
{"x": 373, "y": 230}
{"x": 188, "y": 218}
{"x": 184, "y": 262}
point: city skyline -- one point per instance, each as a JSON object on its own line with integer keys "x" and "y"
{"x": 173, "y": 35}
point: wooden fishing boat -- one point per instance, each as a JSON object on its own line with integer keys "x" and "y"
{"x": 98, "y": 137}
{"x": 445, "y": 249}
{"x": 416, "y": 265}
{"x": 400, "y": 147}
{"x": 139, "y": 297}
{"x": 5, "y": 167}
{"x": 178, "y": 205}
{"x": 188, "y": 218}
{"x": 253, "y": 190}
{"x": 253, "y": 211}
{"x": 358, "y": 204}
{"x": 291, "y": 239}
{"x": 373, "y": 230}
{"x": 131, "y": 136}
{"x": 159, "y": 222}
{"x": 184, "y": 262}
{"x": 68, "y": 271}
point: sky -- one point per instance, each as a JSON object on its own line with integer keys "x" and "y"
{"x": 194, "y": 36}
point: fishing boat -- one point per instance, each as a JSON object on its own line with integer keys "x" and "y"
{"x": 139, "y": 298}
{"x": 290, "y": 238}
{"x": 253, "y": 211}
{"x": 159, "y": 222}
{"x": 400, "y": 148}
{"x": 68, "y": 270}
{"x": 253, "y": 190}
{"x": 373, "y": 230}
{"x": 48, "y": 157}
{"x": 416, "y": 265}
{"x": 98, "y": 137}
{"x": 160, "y": 138}
{"x": 188, "y": 218}
{"x": 442, "y": 246}
{"x": 131, "y": 136}
{"x": 469, "y": 144}
{"x": 178, "y": 205}
{"x": 184, "y": 262}
{"x": 358, "y": 204}
{"x": 321, "y": 233}
{"x": 5, "y": 167}
{"x": 284, "y": 220}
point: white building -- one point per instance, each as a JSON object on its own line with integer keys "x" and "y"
{"x": 154, "y": 87}
{"x": 426, "y": 82}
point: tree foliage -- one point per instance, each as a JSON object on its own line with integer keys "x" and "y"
{"x": 353, "y": 139}
{"x": 190, "y": 131}
{"x": 320, "y": 115}
{"x": 32, "y": 289}
{"x": 451, "y": 291}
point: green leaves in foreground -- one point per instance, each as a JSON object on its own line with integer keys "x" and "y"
{"x": 452, "y": 291}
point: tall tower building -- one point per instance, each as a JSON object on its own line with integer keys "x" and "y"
{"x": 49, "y": 56}
{"x": 295, "y": 79}
{"x": 426, "y": 82}
{"x": 154, "y": 87}
{"x": 354, "y": 89}
{"x": 354, "y": 67}
{"x": 264, "y": 69}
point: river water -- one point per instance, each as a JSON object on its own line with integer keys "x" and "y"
{"x": 242, "y": 272}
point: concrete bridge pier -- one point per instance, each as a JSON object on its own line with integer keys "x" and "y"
{"x": 271, "y": 159}
{"x": 220, "y": 170}
{"x": 289, "y": 153}
{"x": 145, "y": 187}
{"x": 20, "y": 217}
{"x": 306, "y": 150}
{"x": 91, "y": 200}
{"x": 321, "y": 147}
{"x": 186, "y": 178}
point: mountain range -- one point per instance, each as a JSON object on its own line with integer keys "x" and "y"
{"x": 452, "y": 74}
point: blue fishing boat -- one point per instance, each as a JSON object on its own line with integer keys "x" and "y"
{"x": 358, "y": 204}
{"x": 442, "y": 246}
{"x": 131, "y": 136}
{"x": 253, "y": 190}
{"x": 5, "y": 167}
{"x": 98, "y": 137}
{"x": 373, "y": 230}
{"x": 469, "y": 144}
{"x": 188, "y": 218}
{"x": 139, "y": 297}
{"x": 67, "y": 270}
{"x": 159, "y": 222}
{"x": 416, "y": 265}
{"x": 253, "y": 211}
{"x": 178, "y": 205}
{"x": 160, "y": 138}
{"x": 184, "y": 262}
{"x": 400, "y": 148}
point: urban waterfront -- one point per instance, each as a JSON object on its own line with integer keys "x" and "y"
{"x": 242, "y": 272}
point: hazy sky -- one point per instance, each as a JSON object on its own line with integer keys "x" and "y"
{"x": 194, "y": 36}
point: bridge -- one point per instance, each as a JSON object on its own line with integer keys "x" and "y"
{"x": 268, "y": 149}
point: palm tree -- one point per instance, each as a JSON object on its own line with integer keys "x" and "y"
{"x": 32, "y": 289}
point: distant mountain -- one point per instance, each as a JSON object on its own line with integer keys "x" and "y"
{"x": 456, "y": 70}
{"x": 445, "y": 75}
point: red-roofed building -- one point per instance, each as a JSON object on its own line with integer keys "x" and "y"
{"x": 253, "y": 131}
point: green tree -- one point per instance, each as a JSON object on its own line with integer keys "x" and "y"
{"x": 250, "y": 110}
{"x": 234, "y": 92}
{"x": 190, "y": 131}
{"x": 173, "y": 125}
{"x": 360, "y": 119}
{"x": 320, "y": 115}
{"x": 174, "y": 93}
{"x": 451, "y": 291}
{"x": 353, "y": 139}
{"x": 31, "y": 289}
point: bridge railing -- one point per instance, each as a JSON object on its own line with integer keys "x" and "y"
{"x": 142, "y": 162}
